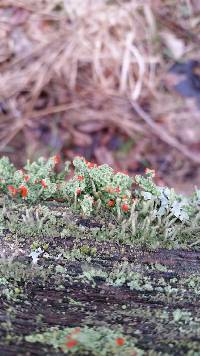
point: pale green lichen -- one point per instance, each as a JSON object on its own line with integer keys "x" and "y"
{"x": 99, "y": 341}
{"x": 156, "y": 217}
{"x": 56, "y": 261}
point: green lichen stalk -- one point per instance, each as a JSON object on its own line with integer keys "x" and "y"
{"x": 148, "y": 214}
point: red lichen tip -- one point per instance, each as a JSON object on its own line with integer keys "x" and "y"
{"x": 111, "y": 203}
{"x": 120, "y": 341}
{"x": 71, "y": 343}
{"x": 12, "y": 190}
{"x": 56, "y": 159}
{"x": 117, "y": 190}
{"x": 43, "y": 183}
{"x": 91, "y": 165}
{"x": 78, "y": 191}
{"x": 26, "y": 178}
{"x": 80, "y": 178}
{"x": 24, "y": 191}
{"x": 125, "y": 208}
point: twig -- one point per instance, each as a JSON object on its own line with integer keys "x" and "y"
{"x": 163, "y": 134}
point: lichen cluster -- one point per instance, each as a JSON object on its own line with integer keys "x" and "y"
{"x": 153, "y": 215}
{"x": 92, "y": 264}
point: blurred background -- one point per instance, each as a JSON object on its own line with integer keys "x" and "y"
{"x": 117, "y": 82}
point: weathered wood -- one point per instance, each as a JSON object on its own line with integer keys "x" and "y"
{"x": 154, "y": 296}
{"x": 145, "y": 313}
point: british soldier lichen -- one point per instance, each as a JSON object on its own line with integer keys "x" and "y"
{"x": 149, "y": 211}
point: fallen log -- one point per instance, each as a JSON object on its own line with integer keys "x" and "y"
{"x": 84, "y": 292}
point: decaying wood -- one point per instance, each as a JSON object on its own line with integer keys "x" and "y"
{"x": 139, "y": 311}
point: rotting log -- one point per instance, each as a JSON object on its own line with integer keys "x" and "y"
{"x": 77, "y": 280}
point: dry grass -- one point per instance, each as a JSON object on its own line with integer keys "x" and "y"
{"x": 84, "y": 64}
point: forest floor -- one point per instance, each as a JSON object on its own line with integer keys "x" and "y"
{"x": 114, "y": 81}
